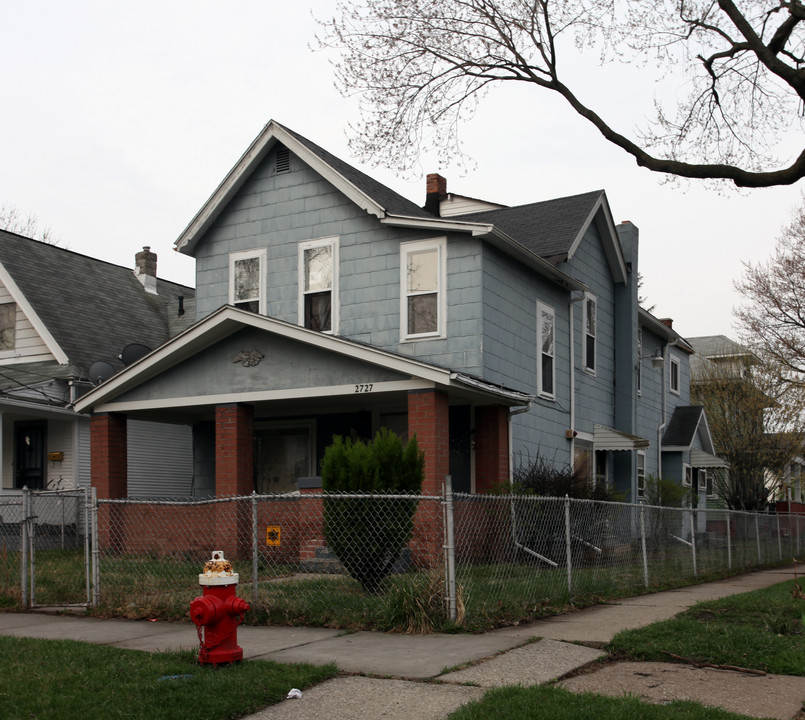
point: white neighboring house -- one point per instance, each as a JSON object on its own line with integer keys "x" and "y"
{"x": 68, "y": 321}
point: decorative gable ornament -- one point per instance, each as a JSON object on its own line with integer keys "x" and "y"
{"x": 248, "y": 358}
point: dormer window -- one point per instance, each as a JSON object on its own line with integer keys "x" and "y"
{"x": 318, "y": 285}
{"x": 8, "y": 322}
{"x": 247, "y": 280}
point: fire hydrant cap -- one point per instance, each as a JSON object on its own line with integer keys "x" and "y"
{"x": 218, "y": 571}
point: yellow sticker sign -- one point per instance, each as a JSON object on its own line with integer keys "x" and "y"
{"x": 273, "y": 535}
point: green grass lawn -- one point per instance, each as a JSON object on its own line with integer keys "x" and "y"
{"x": 546, "y": 702}
{"x": 763, "y": 630}
{"x": 64, "y": 680}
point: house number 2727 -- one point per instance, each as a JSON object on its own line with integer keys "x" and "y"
{"x": 364, "y": 388}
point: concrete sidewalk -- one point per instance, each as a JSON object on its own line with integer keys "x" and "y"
{"x": 389, "y": 669}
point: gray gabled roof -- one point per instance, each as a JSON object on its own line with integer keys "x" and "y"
{"x": 393, "y": 202}
{"x": 549, "y": 228}
{"x": 688, "y": 421}
{"x": 92, "y": 309}
{"x": 682, "y": 426}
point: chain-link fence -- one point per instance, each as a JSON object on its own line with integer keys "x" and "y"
{"x": 345, "y": 560}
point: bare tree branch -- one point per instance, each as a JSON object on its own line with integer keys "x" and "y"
{"x": 420, "y": 67}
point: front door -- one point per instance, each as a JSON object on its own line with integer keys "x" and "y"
{"x": 29, "y": 454}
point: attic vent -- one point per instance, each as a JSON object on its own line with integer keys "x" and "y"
{"x": 283, "y": 159}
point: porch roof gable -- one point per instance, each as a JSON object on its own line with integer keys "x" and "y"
{"x": 391, "y": 372}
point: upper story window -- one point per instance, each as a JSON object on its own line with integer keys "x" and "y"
{"x": 590, "y": 331}
{"x": 673, "y": 376}
{"x": 8, "y": 322}
{"x": 423, "y": 281}
{"x": 546, "y": 345}
{"x": 318, "y": 285}
{"x": 247, "y": 272}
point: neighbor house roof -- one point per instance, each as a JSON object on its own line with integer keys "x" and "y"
{"x": 719, "y": 349}
{"x": 86, "y": 309}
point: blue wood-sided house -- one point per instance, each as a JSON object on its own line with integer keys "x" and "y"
{"x": 329, "y": 304}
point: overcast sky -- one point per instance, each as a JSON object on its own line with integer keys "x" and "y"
{"x": 120, "y": 119}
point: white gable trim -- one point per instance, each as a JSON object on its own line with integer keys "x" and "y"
{"x": 238, "y": 175}
{"x": 602, "y": 215}
{"x": 33, "y": 318}
{"x": 227, "y": 320}
{"x": 261, "y": 396}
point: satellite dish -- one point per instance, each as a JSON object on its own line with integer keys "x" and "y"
{"x": 133, "y": 352}
{"x": 100, "y": 371}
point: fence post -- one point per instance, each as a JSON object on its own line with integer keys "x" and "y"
{"x": 254, "y": 547}
{"x": 643, "y": 543}
{"x": 693, "y": 540}
{"x": 729, "y": 541}
{"x": 96, "y": 564}
{"x": 779, "y": 539}
{"x": 24, "y": 548}
{"x": 450, "y": 548}
{"x": 87, "y": 555}
{"x": 567, "y": 547}
{"x": 31, "y": 522}
{"x": 757, "y": 541}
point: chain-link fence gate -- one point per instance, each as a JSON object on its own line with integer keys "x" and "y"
{"x": 57, "y": 548}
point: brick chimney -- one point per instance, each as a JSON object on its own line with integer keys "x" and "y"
{"x": 667, "y": 321}
{"x": 435, "y": 190}
{"x": 145, "y": 269}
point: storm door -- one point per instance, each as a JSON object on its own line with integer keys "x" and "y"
{"x": 29, "y": 454}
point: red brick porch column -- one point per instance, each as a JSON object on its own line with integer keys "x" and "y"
{"x": 429, "y": 420}
{"x": 491, "y": 448}
{"x": 234, "y": 475}
{"x": 108, "y": 448}
{"x": 234, "y": 450}
{"x": 109, "y": 460}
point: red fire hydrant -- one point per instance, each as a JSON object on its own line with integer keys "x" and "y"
{"x": 218, "y": 612}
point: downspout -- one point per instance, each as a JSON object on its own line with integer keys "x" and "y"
{"x": 512, "y": 413}
{"x": 572, "y": 333}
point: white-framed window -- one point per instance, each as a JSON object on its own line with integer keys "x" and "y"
{"x": 423, "y": 282}
{"x": 247, "y": 280}
{"x": 590, "y": 331}
{"x": 673, "y": 376}
{"x": 8, "y": 324}
{"x": 687, "y": 476}
{"x": 318, "y": 285}
{"x": 641, "y": 474}
{"x": 706, "y": 479}
{"x": 546, "y": 350}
